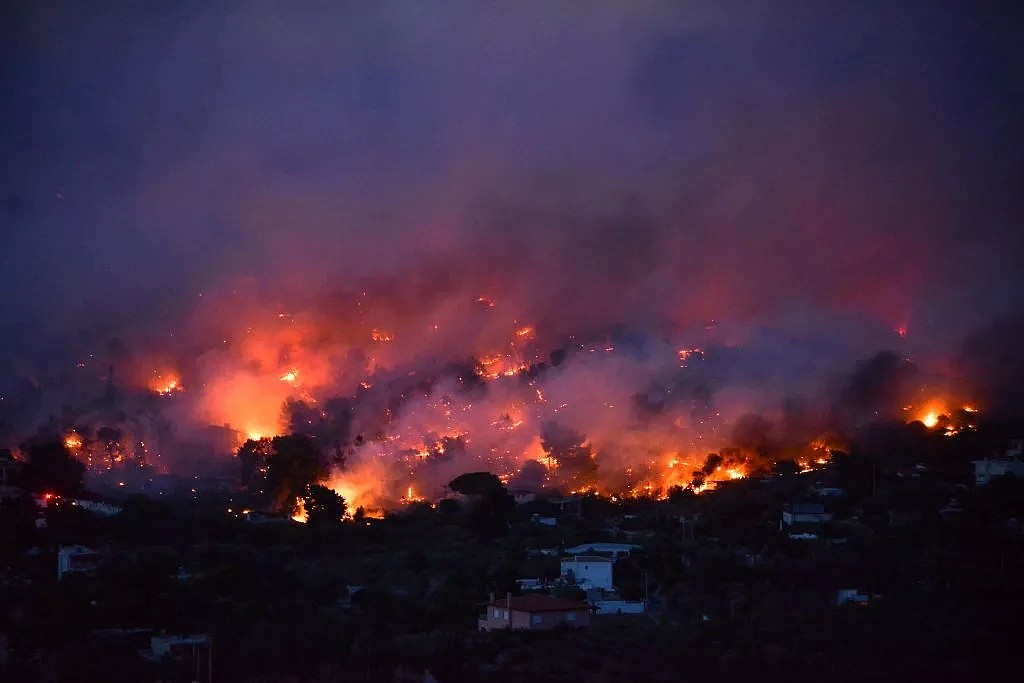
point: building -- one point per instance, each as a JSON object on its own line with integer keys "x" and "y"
{"x": 588, "y": 571}
{"x": 164, "y": 646}
{"x": 851, "y": 595}
{"x": 1009, "y": 465}
{"x": 191, "y": 651}
{"x": 613, "y": 549}
{"x": 544, "y": 520}
{"x": 534, "y": 612}
{"x": 76, "y": 558}
{"x": 526, "y": 585}
{"x": 804, "y": 513}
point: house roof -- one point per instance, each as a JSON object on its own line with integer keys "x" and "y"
{"x": 602, "y": 548}
{"x": 534, "y": 602}
{"x": 586, "y": 558}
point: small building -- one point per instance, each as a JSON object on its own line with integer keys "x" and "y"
{"x": 590, "y": 571}
{"x": 851, "y": 595}
{"x": 191, "y": 652}
{"x": 1010, "y": 465}
{"x": 165, "y": 646}
{"x": 612, "y": 549}
{"x": 534, "y": 612}
{"x": 544, "y": 520}
{"x": 98, "y": 506}
{"x": 827, "y": 491}
{"x": 76, "y": 558}
{"x": 527, "y": 585}
{"x": 523, "y": 496}
{"x": 804, "y": 513}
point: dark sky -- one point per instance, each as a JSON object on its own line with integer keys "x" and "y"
{"x": 783, "y": 165}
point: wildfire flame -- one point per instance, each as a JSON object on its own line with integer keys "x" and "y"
{"x": 165, "y": 383}
{"x": 300, "y": 514}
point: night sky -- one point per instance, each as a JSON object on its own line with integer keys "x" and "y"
{"x": 767, "y": 171}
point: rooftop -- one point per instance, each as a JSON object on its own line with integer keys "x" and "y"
{"x": 537, "y": 603}
{"x": 586, "y": 558}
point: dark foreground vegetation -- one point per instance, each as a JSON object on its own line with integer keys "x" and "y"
{"x": 937, "y": 561}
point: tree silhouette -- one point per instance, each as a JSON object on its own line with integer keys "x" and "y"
{"x": 324, "y": 507}
{"x": 49, "y": 468}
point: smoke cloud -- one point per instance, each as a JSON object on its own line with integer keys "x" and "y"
{"x": 442, "y": 234}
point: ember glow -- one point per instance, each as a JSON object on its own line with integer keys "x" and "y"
{"x": 165, "y": 383}
{"x": 565, "y": 268}
{"x": 300, "y": 515}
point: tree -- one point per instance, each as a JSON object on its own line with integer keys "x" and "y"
{"x": 476, "y": 484}
{"x": 49, "y": 468}
{"x": 492, "y": 505}
{"x": 324, "y": 507}
{"x": 786, "y": 468}
{"x": 575, "y": 459}
{"x": 294, "y": 464}
{"x": 252, "y": 460}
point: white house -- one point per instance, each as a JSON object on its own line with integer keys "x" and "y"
{"x": 76, "y": 558}
{"x": 588, "y": 571}
{"x": 613, "y": 549}
{"x": 804, "y": 513}
{"x": 1009, "y": 465}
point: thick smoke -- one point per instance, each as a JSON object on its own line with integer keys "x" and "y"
{"x": 443, "y": 237}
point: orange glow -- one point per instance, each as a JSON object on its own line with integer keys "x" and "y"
{"x": 526, "y": 332}
{"x": 291, "y": 376}
{"x": 165, "y": 383}
{"x": 72, "y": 441}
{"x": 300, "y": 514}
{"x": 381, "y": 337}
{"x": 685, "y": 354}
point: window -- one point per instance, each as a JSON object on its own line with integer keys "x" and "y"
{"x": 536, "y": 618}
{"x": 497, "y": 612}
{"x": 571, "y": 616}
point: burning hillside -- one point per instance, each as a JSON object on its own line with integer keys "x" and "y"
{"x": 404, "y": 398}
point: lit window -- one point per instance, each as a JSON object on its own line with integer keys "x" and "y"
{"x": 571, "y": 616}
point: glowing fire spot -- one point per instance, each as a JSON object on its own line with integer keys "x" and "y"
{"x": 930, "y": 420}
{"x": 526, "y": 332}
{"x": 381, "y": 337}
{"x": 685, "y": 354}
{"x": 290, "y": 377}
{"x": 165, "y": 384}
{"x": 300, "y": 515}
{"x": 72, "y": 441}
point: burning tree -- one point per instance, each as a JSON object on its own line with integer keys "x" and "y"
{"x": 282, "y": 468}
{"x": 569, "y": 455}
{"x": 323, "y": 507}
